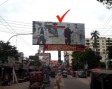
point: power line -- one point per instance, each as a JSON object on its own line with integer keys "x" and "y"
{"x": 4, "y": 2}
{"x": 8, "y": 25}
{"x": 15, "y": 33}
{"x": 107, "y": 22}
{"x": 23, "y": 25}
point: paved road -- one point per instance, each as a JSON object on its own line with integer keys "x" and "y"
{"x": 75, "y": 83}
{"x": 24, "y": 85}
{"x": 67, "y": 83}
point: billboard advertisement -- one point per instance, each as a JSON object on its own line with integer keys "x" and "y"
{"x": 58, "y": 33}
{"x": 45, "y": 57}
{"x": 59, "y": 47}
{"x": 48, "y": 47}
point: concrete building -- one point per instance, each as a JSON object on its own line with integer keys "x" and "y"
{"x": 68, "y": 57}
{"x": 102, "y": 45}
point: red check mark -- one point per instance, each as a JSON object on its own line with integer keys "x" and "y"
{"x": 61, "y": 18}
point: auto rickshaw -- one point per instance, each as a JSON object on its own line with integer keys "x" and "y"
{"x": 36, "y": 80}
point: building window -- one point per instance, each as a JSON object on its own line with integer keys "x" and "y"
{"x": 97, "y": 40}
{"x": 87, "y": 43}
{"x": 103, "y": 52}
{"x": 87, "y": 40}
{"x": 103, "y": 44}
{"x": 97, "y": 50}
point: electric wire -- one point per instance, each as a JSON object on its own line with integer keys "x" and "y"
{"x": 23, "y": 25}
{"x": 4, "y": 2}
{"x": 15, "y": 33}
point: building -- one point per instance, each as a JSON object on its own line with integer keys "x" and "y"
{"x": 102, "y": 45}
{"x": 68, "y": 57}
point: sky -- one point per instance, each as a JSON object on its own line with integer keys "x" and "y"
{"x": 16, "y": 17}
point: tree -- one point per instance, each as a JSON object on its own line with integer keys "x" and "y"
{"x": 108, "y": 3}
{"x": 77, "y": 60}
{"x": 109, "y": 52}
{"x": 7, "y": 50}
{"x": 87, "y": 57}
{"x": 95, "y": 36}
{"x": 102, "y": 65}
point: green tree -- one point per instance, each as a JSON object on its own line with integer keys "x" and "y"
{"x": 77, "y": 60}
{"x": 109, "y": 52}
{"x": 81, "y": 58}
{"x": 7, "y": 50}
{"x": 94, "y": 37}
{"x": 102, "y": 65}
{"x": 108, "y": 3}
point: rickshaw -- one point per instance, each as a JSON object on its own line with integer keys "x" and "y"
{"x": 36, "y": 80}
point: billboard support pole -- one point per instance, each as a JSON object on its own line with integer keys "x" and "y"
{"x": 59, "y": 58}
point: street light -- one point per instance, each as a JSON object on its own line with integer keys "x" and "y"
{"x": 14, "y": 74}
{"x": 17, "y": 35}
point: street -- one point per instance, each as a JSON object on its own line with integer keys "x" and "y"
{"x": 67, "y": 83}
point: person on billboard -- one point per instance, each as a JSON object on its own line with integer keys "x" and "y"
{"x": 55, "y": 30}
{"x": 67, "y": 34}
{"x": 43, "y": 34}
{"x": 77, "y": 34}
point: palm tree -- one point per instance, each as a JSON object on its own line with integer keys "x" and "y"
{"x": 95, "y": 36}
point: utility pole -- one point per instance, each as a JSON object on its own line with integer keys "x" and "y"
{"x": 59, "y": 58}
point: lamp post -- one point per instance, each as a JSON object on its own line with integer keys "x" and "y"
{"x": 17, "y": 35}
{"x": 13, "y": 70}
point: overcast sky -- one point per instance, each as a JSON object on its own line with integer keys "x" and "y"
{"x": 16, "y": 16}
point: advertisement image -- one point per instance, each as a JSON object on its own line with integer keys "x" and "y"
{"x": 58, "y": 33}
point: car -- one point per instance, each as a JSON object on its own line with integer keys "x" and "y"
{"x": 81, "y": 74}
{"x": 64, "y": 73}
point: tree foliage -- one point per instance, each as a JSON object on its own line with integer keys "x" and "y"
{"x": 7, "y": 50}
{"x": 81, "y": 58}
{"x": 95, "y": 36}
{"x": 108, "y": 3}
{"x": 109, "y": 52}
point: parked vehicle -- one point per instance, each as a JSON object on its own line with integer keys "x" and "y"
{"x": 64, "y": 73}
{"x": 81, "y": 73}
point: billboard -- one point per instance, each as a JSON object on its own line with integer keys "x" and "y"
{"x": 45, "y": 57}
{"x": 48, "y": 47}
{"x": 59, "y": 47}
{"x": 58, "y": 33}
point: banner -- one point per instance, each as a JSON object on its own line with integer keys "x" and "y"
{"x": 58, "y": 33}
{"x": 48, "y": 47}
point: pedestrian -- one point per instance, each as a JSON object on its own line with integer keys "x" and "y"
{"x": 67, "y": 34}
